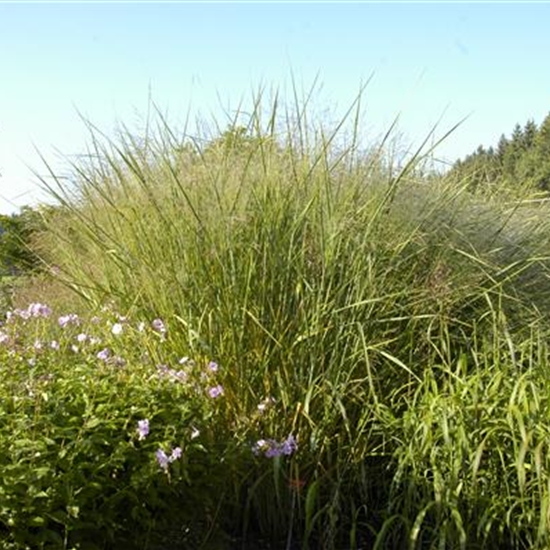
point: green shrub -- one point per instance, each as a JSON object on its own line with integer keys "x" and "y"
{"x": 17, "y": 233}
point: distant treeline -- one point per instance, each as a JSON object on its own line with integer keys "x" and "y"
{"x": 520, "y": 162}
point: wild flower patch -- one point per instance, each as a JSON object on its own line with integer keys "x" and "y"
{"x": 271, "y": 448}
{"x": 97, "y": 434}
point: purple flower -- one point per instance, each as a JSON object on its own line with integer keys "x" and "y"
{"x": 4, "y": 338}
{"x": 159, "y": 326}
{"x": 273, "y": 451}
{"x": 143, "y": 429}
{"x": 271, "y": 448}
{"x": 213, "y": 366}
{"x": 179, "y": 375}
{"x": 289, "y": 445}
{"x": 174, "y": 375}
{"x": 265, "y": 446}
{"x": 104, "y": 354}
{"x": 162, "y": 459}
{"x": 176, "y": 453}
{"x": 216, "y": 391}
{"x": 54, "y": 344}
{"x": 39, "y": 310}
{"x": 82, "y": 337}
{"x": 71, "y": 318}
{"x": 38, "y": 345}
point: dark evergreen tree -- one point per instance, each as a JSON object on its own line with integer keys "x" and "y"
{"x": 502, "y": 147}
{"x": 541, "y": 156}
{"x": 529, "y": 134}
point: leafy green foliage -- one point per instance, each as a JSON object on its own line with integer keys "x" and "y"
{"x": 16, "y": 234}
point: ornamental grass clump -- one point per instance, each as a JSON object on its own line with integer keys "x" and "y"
{"x": 347, "y": 300}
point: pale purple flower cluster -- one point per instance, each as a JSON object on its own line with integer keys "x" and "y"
{"x": 39, "y": 310}
{"x": 172, "y": 374}
{"x": 213, "y": 366}
{"x": 271, "y": 448}
{"x": 164, "y": 460}
{"x": 104, "y": 354}
{"x": 69, "y": 319}
{"x": 143, "y": 428}
{"x": 33, "y": 310}
{"x": 215, "y": 391}
{"x": 159, "y": 326}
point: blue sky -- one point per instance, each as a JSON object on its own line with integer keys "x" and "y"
{"x": 487, "y": 61}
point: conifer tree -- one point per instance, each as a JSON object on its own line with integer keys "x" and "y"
{"x": 520, "y": 162}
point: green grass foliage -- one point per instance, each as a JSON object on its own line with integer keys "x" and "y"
{"x": 395, "y": 325}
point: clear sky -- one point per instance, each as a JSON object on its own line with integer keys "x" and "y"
{"x": 485, "y": 60}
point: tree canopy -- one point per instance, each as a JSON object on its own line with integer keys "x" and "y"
{"x": 519, "y": 162}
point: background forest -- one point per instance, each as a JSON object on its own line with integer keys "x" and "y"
{"x": 519, "y": 162}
